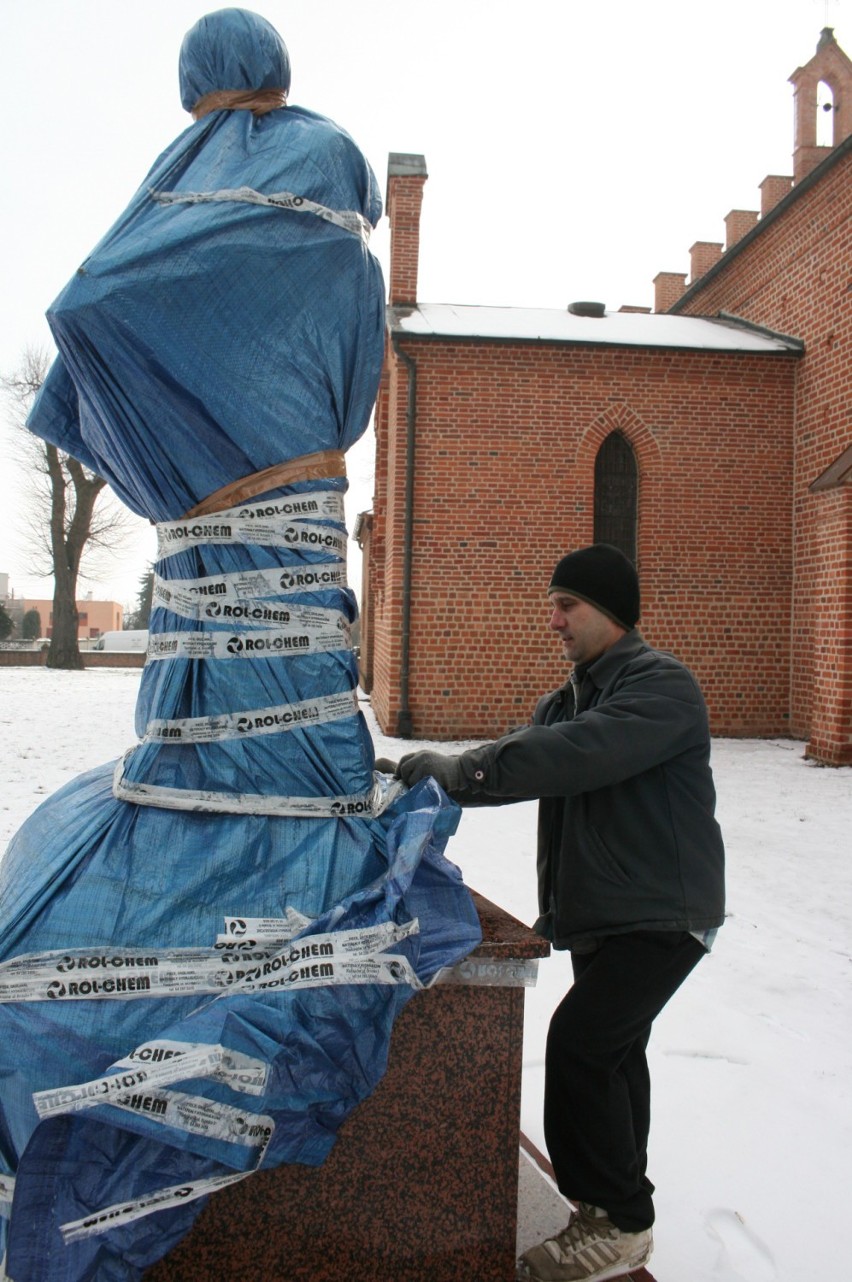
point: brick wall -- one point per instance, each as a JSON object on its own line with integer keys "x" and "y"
{"x": 504, "y": 471}
{"x": 113, "y": 659}
{"x": 796, "y": 276}
{"x": 23, "y": 658}
{"x": 91, "y": 659}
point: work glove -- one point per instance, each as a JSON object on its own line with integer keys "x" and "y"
{"x": 385, "y": 766}
{"x": 419, "y": 765}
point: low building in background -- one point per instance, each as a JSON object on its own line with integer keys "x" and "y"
{"x": 95, "y": 617}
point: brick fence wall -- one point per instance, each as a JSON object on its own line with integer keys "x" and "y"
{"x": 22, "y": 658}
{"x": 91, "y": 659}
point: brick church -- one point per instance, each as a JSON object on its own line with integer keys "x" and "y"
{"x": 710, "y": 439}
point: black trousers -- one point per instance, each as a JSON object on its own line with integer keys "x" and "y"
{"x": 597, "y": 1090}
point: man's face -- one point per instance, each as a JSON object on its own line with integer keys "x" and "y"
{"x": 585, "y": 631}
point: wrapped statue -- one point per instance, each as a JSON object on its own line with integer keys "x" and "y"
{"x": 205, "y": 945}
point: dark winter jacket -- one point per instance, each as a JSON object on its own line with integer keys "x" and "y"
{"x": 627, "y": 836}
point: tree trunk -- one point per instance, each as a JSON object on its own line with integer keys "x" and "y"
{"x": 64, "y": 651}
{"x": 67, "y": 545}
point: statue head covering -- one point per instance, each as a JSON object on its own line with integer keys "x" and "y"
{"x": 231, "y": 49}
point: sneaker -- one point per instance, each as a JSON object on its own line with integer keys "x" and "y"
{"x": 589, "y": 1249}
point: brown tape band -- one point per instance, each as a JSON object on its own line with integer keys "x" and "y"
{"x": 257, "y": 101}
{"x": 307, "y": 467}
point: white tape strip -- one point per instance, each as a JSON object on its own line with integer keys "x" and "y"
{"x": 491, "y": 972}
{"x": 7, "y": 1192}
{"x": 177, "y": 536}
{"x": 249, "y": 610}
{"x": 254, "y": 721}
{"x": 192, "y": 598}
{"x": 383, "y": 968}
{"x": 265, "y": 643}
{"x": 336, "y": 957}
{"x": 83, "y": 975}
{"x": 156, "y": 1065}
{"x": 241, "y": 1072}
{"x": 239, "y": 803}
{"x": 113, "y": 1087}
{"x": 108, "y": 959}
{"x": 366, "y": 805}
{"x": 125, "y": 1212}
{"x": 349, "y": 219}
{"x": 76, "y": 976}
{"x": 356, "y": 942}
{"x": 41, "y": 987}
{"x": 274, "y": 930}
{"x": 324, "y": 505}
{"x": 199, "y": 1116}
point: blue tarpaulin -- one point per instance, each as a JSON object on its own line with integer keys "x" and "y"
{"x": 203, "y": 947}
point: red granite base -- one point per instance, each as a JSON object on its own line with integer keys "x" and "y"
{"x": 422, "y": 1184}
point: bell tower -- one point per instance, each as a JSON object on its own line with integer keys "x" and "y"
{"x": 823, "y": 85}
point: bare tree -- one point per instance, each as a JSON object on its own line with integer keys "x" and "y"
{"x": 71, "y": 520}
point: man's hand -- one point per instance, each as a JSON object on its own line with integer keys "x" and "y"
{"x": 419, "y": 765}
{"x": 385, "y": 766}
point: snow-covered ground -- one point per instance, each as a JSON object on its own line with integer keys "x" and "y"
{"x": 751, "y": 1146}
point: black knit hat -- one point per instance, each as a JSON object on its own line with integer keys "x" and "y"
{"x": 604, "y": 577}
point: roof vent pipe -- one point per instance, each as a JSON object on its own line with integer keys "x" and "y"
{"x": 587, "y": 309}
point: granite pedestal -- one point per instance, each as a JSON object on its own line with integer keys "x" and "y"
{"x": 422, "y": 1184}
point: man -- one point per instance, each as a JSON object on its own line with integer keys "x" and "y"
{"x": 631, "y": 880}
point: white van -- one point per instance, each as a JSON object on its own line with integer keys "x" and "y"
{"x": 135, "y": 639}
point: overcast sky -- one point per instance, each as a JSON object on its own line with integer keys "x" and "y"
{"x": 575, "y": 148}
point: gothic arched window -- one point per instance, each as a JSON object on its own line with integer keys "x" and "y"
{"x": 616, "y": 494}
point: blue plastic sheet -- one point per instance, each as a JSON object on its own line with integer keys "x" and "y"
{"x": 207, "y": 337}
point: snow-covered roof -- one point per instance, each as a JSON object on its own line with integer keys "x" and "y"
{"x": 619, "y": 329}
